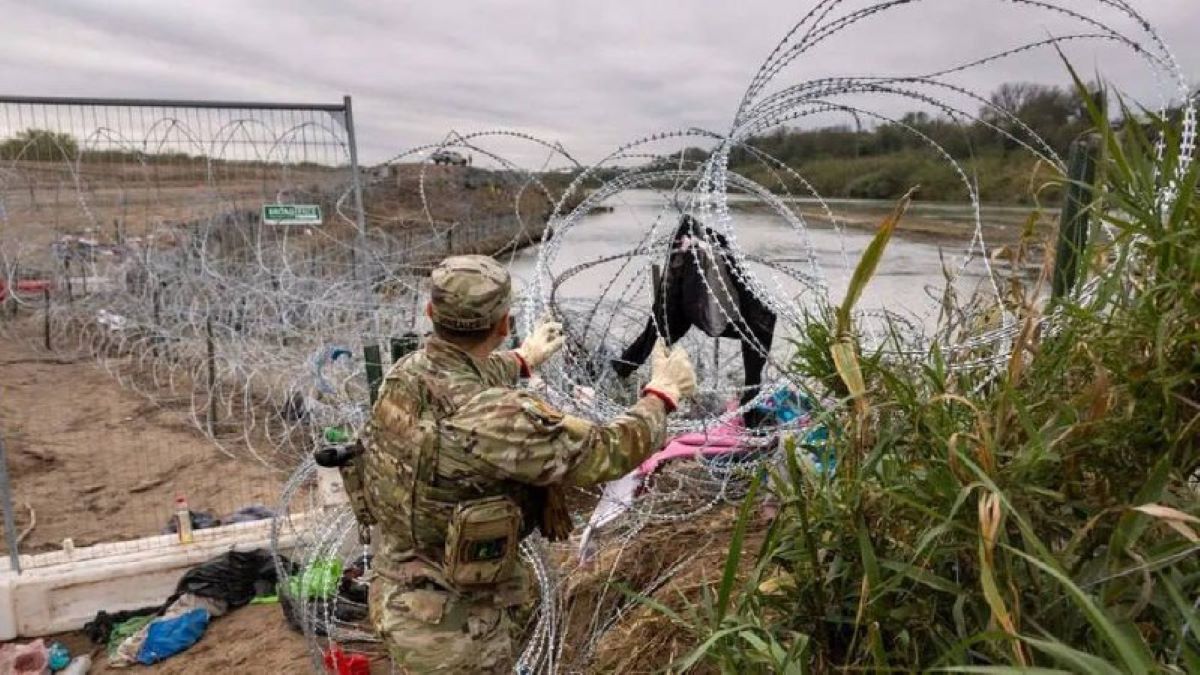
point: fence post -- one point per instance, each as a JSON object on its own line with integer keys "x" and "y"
{"x": 360, "y": 216}
{"x": 212, "y": 374}
{"x": 10, "y": 524}
{"x": 374, "y": 364}
{"x": 46, "y": 321}
{"x": 1075, "y": 219}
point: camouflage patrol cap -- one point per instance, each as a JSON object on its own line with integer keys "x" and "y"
{"x": 470, "y": 292}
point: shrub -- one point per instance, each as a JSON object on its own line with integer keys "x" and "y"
{"x": 1038, "y": 513}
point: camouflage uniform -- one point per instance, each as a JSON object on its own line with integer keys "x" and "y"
{"x": 448, "y": 429}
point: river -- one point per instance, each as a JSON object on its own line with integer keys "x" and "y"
{"x": 909, "y": 277}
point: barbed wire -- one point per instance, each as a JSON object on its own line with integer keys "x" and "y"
{"x": 258, "y": 332}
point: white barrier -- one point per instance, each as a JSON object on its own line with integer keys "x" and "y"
{"x": 63, "y": 590}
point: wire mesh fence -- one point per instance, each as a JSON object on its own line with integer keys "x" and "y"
{"x": 191, "y": 290}
{"x": 133, "y": 234}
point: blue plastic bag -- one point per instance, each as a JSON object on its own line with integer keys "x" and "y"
{"x": 169, "y": 636}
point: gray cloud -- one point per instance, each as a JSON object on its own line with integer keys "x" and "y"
{"x": 588, "y": 74}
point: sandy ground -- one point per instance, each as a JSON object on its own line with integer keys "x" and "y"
{"x": 95, "y": 462}
{"x": 99, "y": 463}
{"x": 253, "y": 639}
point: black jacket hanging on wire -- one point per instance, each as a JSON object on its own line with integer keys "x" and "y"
{"x": 703, "y": 286}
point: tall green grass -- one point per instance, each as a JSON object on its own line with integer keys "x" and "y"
{"x": 1036, "y": 517}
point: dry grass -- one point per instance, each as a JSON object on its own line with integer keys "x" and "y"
{"x": 670, "y": 563}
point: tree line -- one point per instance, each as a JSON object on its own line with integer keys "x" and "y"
{"x": 884, "y": 161}
{"x": 44, "y": 145}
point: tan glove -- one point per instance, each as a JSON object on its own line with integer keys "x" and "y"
{"x": 546, "y": 339}
{"x": 671, "y": 374}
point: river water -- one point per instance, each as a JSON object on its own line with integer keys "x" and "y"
{"x": 908, "y": 280}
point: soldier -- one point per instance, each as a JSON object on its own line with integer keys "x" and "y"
{"x": 459, "y": 465}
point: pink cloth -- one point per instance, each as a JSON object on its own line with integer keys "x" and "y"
{"x": 720, "y": 440}
{"x": 619, "y": 494}
{"x": 27, "y": 659}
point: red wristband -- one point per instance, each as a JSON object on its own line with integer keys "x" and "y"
{"x": 662, "y": 396}
{"x": 526, "y": 372}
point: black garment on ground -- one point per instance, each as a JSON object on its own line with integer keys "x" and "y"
{"x": 235, "y": 577}
{"x": 683, "y": 299}
{"x": 248, "y": 514}
{"x": 99, "y": 628}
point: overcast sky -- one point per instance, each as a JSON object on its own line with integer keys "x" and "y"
{"x": 589, "y": 74}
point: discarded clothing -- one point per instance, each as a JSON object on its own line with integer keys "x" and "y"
{"x": 168, "y": 636}
{"x": 27, "y": 659}
{"x": 205, "y": 592}
{"x": 726, "y": 442}
{"x": 189, "y": 601}
{"x": 617, "y": 496}
{"x": 704, "y": 287}
{"x": 125, "y": 630}
{"x": 786, "y": 406}
{"x": 235, "y": 577}
{"x": 328, "y": 356}
{"x": 126, "y": 653}
{"x": 250, "y": 513}
{"x": 161, "y": 637}
{"x": 720, "y": 440}
{"x": 201, "y": 520}
{"x": 102, "y": 627}
{"x": 616, "y": 499}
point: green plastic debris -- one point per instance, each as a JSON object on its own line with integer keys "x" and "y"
{"x": 336, "y": 435}
{"x": 320, "y": 580}
{"x": 124, "y": 630}
{"x": 265, "y": 599}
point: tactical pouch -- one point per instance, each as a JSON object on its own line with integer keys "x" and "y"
{"x": 481, "y": 543}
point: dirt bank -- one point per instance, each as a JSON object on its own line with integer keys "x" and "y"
{"x": 95, "y": 462}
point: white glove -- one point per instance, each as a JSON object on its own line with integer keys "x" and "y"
{"x": 671, "y": 373}
{"x": 542, "y": 343}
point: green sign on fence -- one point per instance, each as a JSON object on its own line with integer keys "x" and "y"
{"x": 291, "y": 214}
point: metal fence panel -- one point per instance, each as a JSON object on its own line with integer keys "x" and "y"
{"x": 131, "y": 235}
{"x": 215, "y": 259}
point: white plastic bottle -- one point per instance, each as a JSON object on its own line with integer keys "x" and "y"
{"x": 78, "y": 666}
{"x": 183, "y": 520}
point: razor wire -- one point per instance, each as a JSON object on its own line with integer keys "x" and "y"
{"x": 257, "y": 332}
